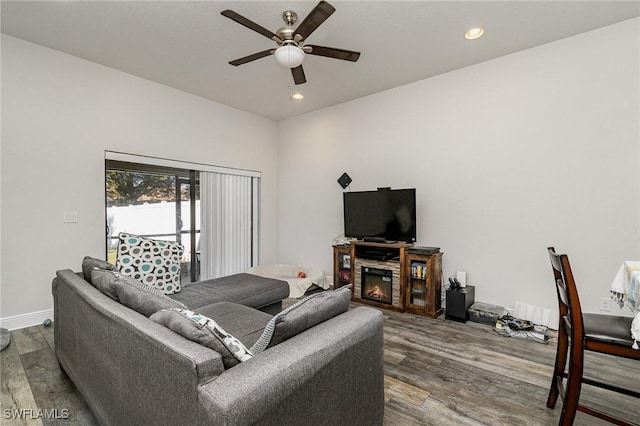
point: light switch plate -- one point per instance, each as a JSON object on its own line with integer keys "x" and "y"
{"x": 70, "y": 217}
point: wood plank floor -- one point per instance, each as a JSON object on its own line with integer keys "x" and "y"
{"x": 437, "y": 372}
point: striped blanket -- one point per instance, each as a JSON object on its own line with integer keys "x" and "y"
{"x": 625, "y": 289}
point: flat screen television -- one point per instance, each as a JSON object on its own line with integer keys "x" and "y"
{"x": 385, "y": 214}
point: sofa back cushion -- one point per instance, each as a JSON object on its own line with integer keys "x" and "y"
{"x": 205, "y": 331}
{"x": 132, "y": 293}
{"x": 302, "y": 315}
{"x": 153, "y": 262}
{"x": 89, "y": 264}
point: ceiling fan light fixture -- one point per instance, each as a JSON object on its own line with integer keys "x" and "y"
{"x": 474, "y": 33}
{"x": 289, "y": 55}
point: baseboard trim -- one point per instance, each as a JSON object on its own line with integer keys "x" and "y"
{"x": 26, "y": 320}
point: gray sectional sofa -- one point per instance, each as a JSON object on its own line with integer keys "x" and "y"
{"x": 133, "y": 370}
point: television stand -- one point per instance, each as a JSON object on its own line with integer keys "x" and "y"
{"x": 415, "y": 278}
{"x": 377, "y": 254}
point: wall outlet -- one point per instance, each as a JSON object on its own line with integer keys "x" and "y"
{"x": 605, "y": 304}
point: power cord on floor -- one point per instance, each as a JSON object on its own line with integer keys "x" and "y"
{"x": 508, "y": 326}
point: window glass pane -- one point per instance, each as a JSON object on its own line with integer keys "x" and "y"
{"x": 153, "y": 205}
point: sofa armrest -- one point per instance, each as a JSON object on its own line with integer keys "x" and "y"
{"x": 111, "y": 352}
{"x": 329, "y": 374}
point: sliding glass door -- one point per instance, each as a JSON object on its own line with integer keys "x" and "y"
{"x": 212, "y": 211}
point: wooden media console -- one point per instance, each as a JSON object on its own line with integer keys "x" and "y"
{"x": 389, "y": 276}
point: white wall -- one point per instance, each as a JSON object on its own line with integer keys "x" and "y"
{"x": 59, "y": 114}
{"x": 509, "y": 156}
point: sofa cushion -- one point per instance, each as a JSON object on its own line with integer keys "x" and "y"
{"x": 155, "y": 263}
{"x": 132, "y": 293}
{"x": 245, "y": 289}
{"x": 244, "y": 323}
{"x": 302, "y": 315}
{"x": 205, "y": 331}
{"x": 89, "y": 264}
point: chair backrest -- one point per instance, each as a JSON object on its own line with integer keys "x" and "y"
{"x": 568, "y": 299}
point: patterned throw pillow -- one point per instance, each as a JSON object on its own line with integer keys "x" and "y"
{"x": 205, "y": 331}
{"x": 153, "y": 262}
{"x": 302, "y": 315}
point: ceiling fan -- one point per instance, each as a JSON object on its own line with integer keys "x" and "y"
{"x": 291, "y": 49}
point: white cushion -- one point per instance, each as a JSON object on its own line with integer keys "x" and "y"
{"x": 289, "y": 273}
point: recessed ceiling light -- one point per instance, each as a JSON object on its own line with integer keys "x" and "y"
{"x": 297, "y": 96}
{"x": 474, "y": 33}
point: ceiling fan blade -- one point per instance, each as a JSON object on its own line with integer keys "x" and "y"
{"x": 332, "y": 52}
{"x": 253, "y": 57}
{"x": 298, "y": 75}
{"x": 314, "y": 19}
{"x": 234, "y": 16}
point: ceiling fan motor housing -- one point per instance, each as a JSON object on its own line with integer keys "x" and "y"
{"x": 287, "y": 32}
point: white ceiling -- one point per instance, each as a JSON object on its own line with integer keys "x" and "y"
{"x": 187, "y": 44}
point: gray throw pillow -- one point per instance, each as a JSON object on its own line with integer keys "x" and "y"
{"x": 132, "y": 293}
{"x": 104, "y": 281}
{"x": 90, "y": 263}
{"x": 302, "y": 315}
{"x": 205, "y": 331}
{"x": 142, "y": 298}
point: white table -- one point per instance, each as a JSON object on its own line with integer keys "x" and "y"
{"x": 625, "y": 290}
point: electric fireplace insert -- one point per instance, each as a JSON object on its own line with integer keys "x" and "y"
{"x": 377, "y": 285}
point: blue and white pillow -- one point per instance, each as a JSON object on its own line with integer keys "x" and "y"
{"x": 155, "y": 263}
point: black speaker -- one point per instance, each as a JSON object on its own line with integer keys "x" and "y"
{"x": 344, "y": 180}
{"x": 459, "y": 301}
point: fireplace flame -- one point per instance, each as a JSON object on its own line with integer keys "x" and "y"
{"x": 377, "y": 293}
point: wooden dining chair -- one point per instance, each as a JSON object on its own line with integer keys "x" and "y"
{"x": 577, "y": 333}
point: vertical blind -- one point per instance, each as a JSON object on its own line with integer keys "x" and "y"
{"x": 228, "y": 204}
